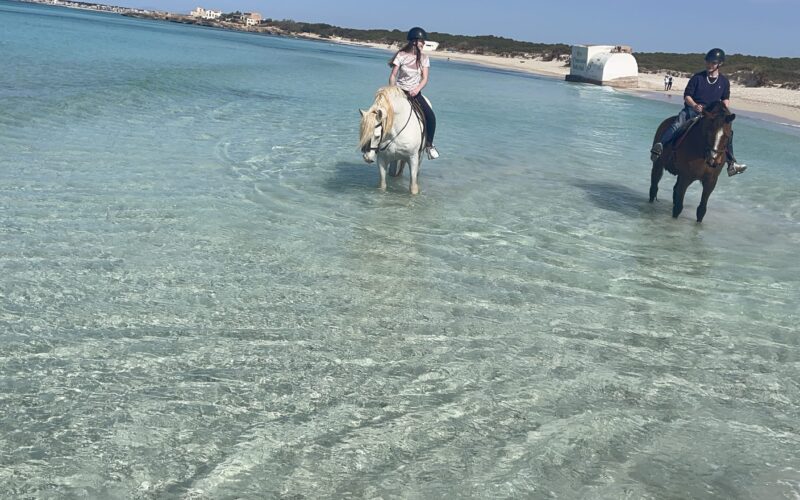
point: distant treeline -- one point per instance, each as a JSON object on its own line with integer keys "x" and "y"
{"x": 485, "y": 44}
{"x": 753, "y": 71}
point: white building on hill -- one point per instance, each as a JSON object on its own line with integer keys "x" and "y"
{"x": 612, "y": 65}
{"x": 252, "y": 18}
{"x": 206, "y": 14}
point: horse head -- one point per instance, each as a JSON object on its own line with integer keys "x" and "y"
{"x": 717, "y": 131}
{"x": 376, "y": 122}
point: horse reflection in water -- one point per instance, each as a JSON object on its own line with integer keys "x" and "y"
{"x": 393, "y": 135}
{"x": 699, "y": 154}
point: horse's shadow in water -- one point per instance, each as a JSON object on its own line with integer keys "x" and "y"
{"x": 617, "y": 198}
{"x": 361, "y": 177}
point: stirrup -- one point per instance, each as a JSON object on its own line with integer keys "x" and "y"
{"x": 656, "y": 151}
{"x": 736, "y": 168}
{"x": 431, "y": 152}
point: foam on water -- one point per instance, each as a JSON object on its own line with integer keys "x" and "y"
{"x": 205, "y": 296}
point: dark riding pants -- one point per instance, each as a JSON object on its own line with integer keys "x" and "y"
{"x": 684, "y": 116}
{"x": 430, "y": 118}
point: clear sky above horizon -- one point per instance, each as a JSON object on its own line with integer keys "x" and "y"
{"x": 755, "y": 27}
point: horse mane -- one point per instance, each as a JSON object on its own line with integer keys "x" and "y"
{"x": 716, "y": 106}
{"x": 383, "y": 99}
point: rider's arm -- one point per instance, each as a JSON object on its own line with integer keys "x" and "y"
{"x": 393, "y": 75}
{"x": 687, "y": 99}
{"x": 422, "y": 83}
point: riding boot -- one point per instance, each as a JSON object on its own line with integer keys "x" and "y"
{"x": 735, "y": 168}
{"x": 656, "y": 151}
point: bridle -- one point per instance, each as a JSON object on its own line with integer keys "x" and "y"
{"x": 713, "y": 153}
{"x": 377, "y": 135}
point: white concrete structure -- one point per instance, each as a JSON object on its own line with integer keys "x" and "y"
{"x": 612, "y": 65}
{"x": 430, "y": 46}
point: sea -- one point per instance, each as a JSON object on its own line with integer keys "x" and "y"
{"x": 203, "y": 294}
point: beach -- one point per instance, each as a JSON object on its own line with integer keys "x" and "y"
{"x": 775, "y": 104}
{"x": 207, "y": 295}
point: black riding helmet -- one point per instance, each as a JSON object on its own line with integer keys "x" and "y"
{"x": 716, "y": 56}
{"x": 416, "y": 33}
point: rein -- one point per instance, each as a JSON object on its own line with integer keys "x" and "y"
{"x": 378, "y": 125}
{"x": 711, "y": 153}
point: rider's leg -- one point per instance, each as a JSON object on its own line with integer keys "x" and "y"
{"x": 686, "y": 114}
{"x": 430, "y": 126}
{"x": 733, "y": 167}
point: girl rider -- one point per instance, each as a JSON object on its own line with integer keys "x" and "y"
{"x": 410, "y": 73}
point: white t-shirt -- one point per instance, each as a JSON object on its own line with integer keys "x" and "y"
{"x": 409, "y": 75}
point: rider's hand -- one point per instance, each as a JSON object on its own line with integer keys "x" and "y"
{"x": 413, "y": 92}
{"x": 698, "y": 108}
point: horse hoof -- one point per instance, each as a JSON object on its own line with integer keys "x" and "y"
{"x": 414, "y": 189}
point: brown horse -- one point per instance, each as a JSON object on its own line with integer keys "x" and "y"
{"x": 697, "y": 155}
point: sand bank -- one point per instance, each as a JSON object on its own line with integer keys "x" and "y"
{"x": 780, "y": 105}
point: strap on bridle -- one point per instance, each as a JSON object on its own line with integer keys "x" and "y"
{"x": 411, "y": 112}
{"x": 378, "y": 147}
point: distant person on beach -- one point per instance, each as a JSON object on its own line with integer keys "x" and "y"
{"x": 669, "y": 83}
{"x": 410, "y": 68}
{"x": 666, "y": 81}
{"x": 703, "y": 89}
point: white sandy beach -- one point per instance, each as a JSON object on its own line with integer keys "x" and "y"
{"x": 783, "y": 105}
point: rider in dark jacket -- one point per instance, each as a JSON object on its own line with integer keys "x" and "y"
{"x": 703, "y": 89}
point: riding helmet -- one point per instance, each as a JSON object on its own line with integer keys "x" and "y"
{"x": 416, "y": 33}
{"x": 716, "y": 56}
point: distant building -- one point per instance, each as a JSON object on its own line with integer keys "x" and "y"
{"x": 252, "y": 18}
{"x": 202, "y": 13}
{"x": 612, "y": 65}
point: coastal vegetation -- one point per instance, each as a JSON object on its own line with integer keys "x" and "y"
{"x": 751, "y": 71}
{"x": 483, "y": 44}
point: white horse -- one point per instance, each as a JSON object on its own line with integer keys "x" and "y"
{"x": 392, "y": 134}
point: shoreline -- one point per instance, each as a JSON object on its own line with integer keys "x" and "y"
{"x": 776, "y": 105}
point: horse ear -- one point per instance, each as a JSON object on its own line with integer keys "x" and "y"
{"x": 362, "y": 111}
{"x": 730, "y": 117}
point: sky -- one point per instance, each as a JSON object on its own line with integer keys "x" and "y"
{"x": 754, "y": 27}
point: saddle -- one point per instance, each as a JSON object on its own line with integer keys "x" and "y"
{"x": 682, "y": 132}
{"x": 420, "y": 117}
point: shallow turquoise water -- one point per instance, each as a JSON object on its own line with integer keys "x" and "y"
{"x": 204, "y": 295}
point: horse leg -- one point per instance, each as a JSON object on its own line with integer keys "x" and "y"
{"x": 709, "y": 183}
{"x": 396, "y": 168}
{"x": 382, "y": 171}
{"x": 413, "y": 164}
{"x": 655, "y": 177}
{"x": 678, "y": 192}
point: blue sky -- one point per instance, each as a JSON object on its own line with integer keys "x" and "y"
{"x": 757, "y": 27}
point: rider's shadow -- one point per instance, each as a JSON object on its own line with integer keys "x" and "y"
{"x": 616, "y": 198}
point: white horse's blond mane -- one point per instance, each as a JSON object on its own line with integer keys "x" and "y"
{"x": 383, "y": 99}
